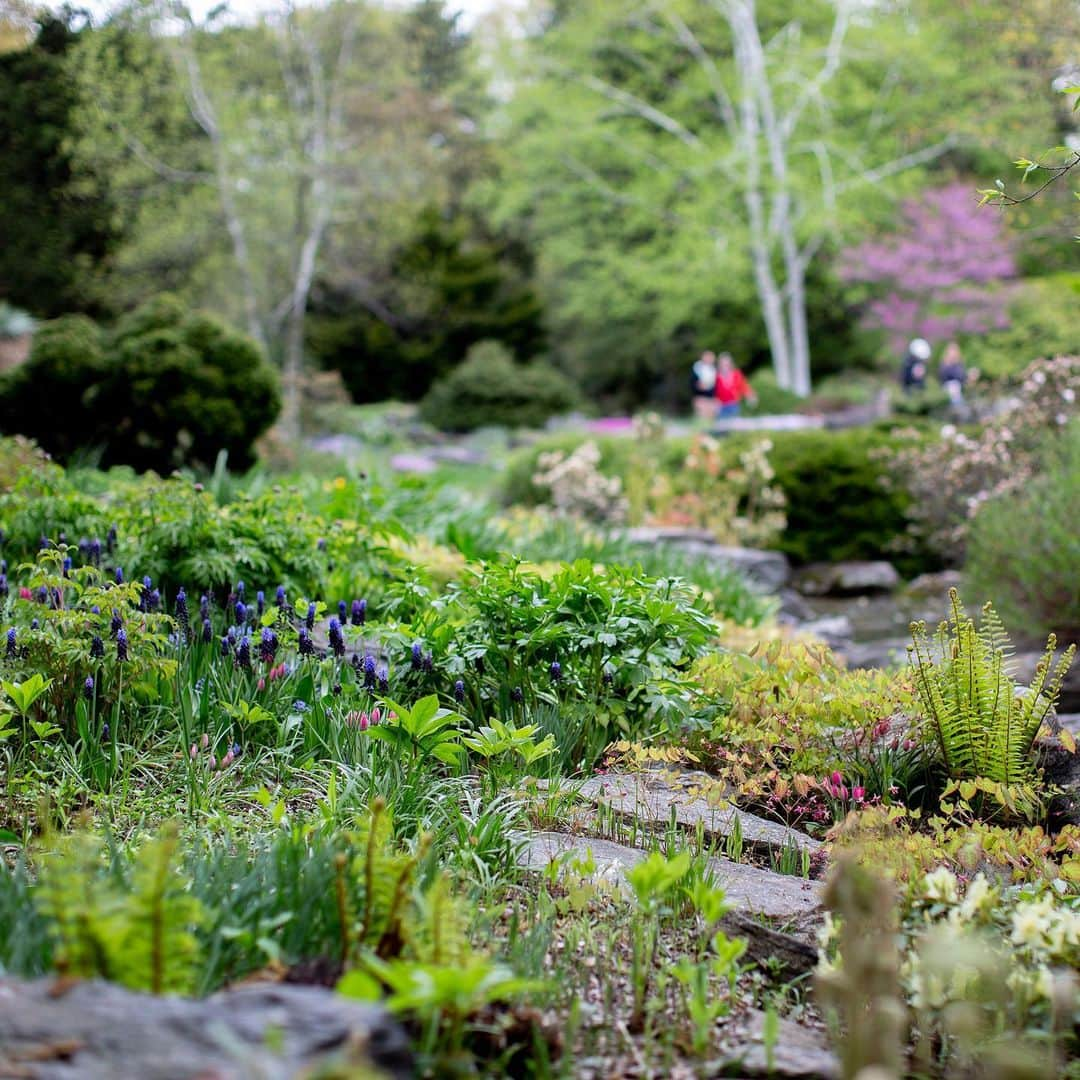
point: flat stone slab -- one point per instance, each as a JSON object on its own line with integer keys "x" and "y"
{"x": 769, "y": 570}
{"x": 652, "y": 796}
{"x": 749, "y": 889}
{"x": 799, "y": 1053}
{"x": 95, "y": 1030}
{"x": 855, "y": 578}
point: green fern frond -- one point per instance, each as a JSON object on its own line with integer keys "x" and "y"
{"x": 966, "y": 692}
{"x": 73, "y": 896}
{"x": 442, "y": 931}
{"x": 154, "y": 945}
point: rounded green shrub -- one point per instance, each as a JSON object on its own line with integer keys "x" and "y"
{"x": 842, "y": 500}
{"x": 489, "y": 389}
{"x": 48, "y": 396}
{"x": 167, "y": 388}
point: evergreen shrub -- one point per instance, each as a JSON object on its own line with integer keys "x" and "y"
{"x": 166, "y": 388}
{"x": 489, "y": 389}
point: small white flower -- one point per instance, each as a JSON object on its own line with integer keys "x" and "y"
{"x": 940, "y": 886}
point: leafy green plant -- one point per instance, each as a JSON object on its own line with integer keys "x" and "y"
{"x": 983, "y": 728}
{"x": 1022, "y": 547}
{"x": 424, "y": 731}
{"x": 489, "y": 388}
{"x": 139, "y": 933}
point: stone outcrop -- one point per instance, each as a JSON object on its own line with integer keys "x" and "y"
{"x": 856, "y": 578}
{"x": 52, "y": 1030}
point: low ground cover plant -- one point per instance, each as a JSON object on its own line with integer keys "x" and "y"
{"x": 273, "y": 732}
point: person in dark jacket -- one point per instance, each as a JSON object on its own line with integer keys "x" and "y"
{"x": 913, "y": 371}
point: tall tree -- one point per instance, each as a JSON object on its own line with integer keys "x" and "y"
{"x": 58, "y": 216}
{"x": 723, "y": 133}
{"x": 294, "y": 123}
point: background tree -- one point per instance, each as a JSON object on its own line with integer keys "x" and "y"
{"x": 716, "y": 153}
{"x": 59, "y": 219}
{"x": 940, "y": 276}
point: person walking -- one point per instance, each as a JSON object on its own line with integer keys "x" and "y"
{"x": 952, "y": 375}
{"x": 732, "y": 389}
{"x": 913, "y": 370}
{"x": 703, "y": 385}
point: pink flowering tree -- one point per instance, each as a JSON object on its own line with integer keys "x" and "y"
{"x": 941, "y": 276}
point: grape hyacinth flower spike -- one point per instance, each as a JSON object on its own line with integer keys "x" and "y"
{"x": 121, "y": 644}
{"x": 12, "y": 644}
{"x": 268, "y": 646}
{"x": 337, "y": 640}
{"x": 97, "y": 648}
{"x": 359, "y": 612}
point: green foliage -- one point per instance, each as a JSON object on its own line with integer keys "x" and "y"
{"x": 1023, "y": 548}
{"x": 490, "y": 389}
{"x": 1044, "y": 322}
{"x": 842, "y": 502}
{"x": 60, "y": 225}
{"x": 452, "y": 285}
{"x": 842, "y": 499}
{"x": 164, "y": 389}
{"x": 138, "y": 932}
{"x": 984, "y": 730}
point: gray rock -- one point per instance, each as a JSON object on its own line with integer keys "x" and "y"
{"x": 933, "y": 586}
{"x": 847, "y": 578}
{"x": 750, "y": 889}
{"x": 800, "y": 1053}
{"x": 834, "y": 630}
{"x": 457, "y": 455}
{"x": 793, "y": 608}
{"x": 259, "y": 1031}
{"x": 654, "y": 796}
{"x": 769, "y": 570}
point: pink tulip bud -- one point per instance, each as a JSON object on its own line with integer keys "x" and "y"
{"x": 362, "y": 723}
{"x": 836, "y": 779}
{"x": 194, "y": 751}
{"x": 376, "y": 716}
{"x": 227, "y": 760}
{"x": 261, "y": 684}
{"x": 213, "y": 762}
{"x": 205, "y": 740}
{"x": 858, "y": 793}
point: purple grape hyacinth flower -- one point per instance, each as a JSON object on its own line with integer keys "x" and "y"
{"x": 97, "y": 648}
{"x": 337, "y": 641}
{"x": 121, "y": 644}
{"x": 268, "y": 644}
{"x": 359, "y": 612}
{"x": 305, "y": 645}
{"x": 12, "y": 644}
{"x": 459, "y": 691}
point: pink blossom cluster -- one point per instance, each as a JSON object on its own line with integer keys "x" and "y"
{"x": 364, "y": 720}
{"x": 201, "y": 749}
{"x": 942, "y": 274}
{"x": 275, "y": 673}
